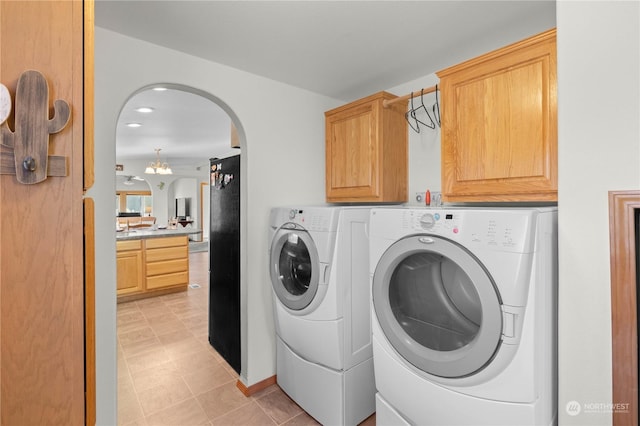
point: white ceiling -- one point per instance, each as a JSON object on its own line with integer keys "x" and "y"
{"x": 185, "y": 126}
{"x": 342, "y": 49}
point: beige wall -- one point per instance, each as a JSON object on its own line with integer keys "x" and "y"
{"x": 599, "y": 151}
{"x": 282, "y": 163}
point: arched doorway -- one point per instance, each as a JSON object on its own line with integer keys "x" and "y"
{"x": 170, "y": 332}
{"x": 187, "y": 125}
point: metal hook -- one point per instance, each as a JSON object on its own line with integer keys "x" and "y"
{"x": 411, "y": 113}
{"x": 436, "y": 108}
{"x": 433, "y": 124}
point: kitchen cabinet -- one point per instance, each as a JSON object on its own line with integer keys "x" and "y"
{"x": 366, "y": 151}
{"x": 129, "y": 267}
{"x": 151, "y": 263}
{"x": 499, "y": 124}
{"x": 167, "y": 263}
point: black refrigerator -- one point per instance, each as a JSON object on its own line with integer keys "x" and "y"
{"x": 224, "y": 259}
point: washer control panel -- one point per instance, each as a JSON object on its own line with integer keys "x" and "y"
{"x": 312, "y": 219}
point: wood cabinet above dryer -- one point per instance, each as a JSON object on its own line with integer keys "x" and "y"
{"x": 367, "y": 152}
{"x": 499, "y": 124}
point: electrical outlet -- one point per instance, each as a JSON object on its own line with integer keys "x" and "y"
{"x": 436, "y": 198}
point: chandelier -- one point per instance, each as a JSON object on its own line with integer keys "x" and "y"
{"x": 158, "y": 167}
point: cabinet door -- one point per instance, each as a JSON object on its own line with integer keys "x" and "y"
{"x": 367, "y": 151}
{"x": 499, "y": 124}
{"x": 352, "y": 153}
{"x": 129, "y": 270}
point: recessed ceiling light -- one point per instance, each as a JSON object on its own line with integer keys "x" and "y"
{"x": 144, "y": 109}
{"x": 134, "y": 124}
{"x": 159, "y": 89}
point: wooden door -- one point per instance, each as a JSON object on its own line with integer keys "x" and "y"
{"x": 42, "y": 262}
{"x": 623, "y": 207}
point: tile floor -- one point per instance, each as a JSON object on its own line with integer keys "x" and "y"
{"x": 168, "y": 374}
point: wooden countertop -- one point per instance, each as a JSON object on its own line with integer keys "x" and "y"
{"x": 141, "y": 234}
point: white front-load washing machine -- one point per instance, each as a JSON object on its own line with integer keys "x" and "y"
{"x": 319, "y": 268}
{"x": 464, "y": 315}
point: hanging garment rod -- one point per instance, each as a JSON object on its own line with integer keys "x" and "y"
{"x": 387, "y": 103}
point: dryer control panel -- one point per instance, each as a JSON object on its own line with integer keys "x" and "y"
{"x": 436, "y": 221}
{"x": 503, "y": 229}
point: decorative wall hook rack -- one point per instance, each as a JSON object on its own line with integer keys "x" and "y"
{"x": 411, "y": 114}
{"x": 25, "y": 150}
{"x": 426, "y": 90}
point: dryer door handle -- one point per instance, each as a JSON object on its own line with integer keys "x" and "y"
{"x": 426, "y": 240}
{"x": 325, "y": 273}
{"x": 512, "y": 319}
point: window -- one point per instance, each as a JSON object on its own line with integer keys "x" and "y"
{"x": 134, "y": 202}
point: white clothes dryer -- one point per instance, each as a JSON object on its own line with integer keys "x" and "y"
{"x": 464, "y": 315}
{"x": 319, "y": 268}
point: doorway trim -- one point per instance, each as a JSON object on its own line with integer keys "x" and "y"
{"x": 624, "y": 329}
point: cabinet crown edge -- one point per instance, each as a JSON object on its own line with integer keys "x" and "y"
{"x": 379, "y": 96}
{"x": 548, "y": 35}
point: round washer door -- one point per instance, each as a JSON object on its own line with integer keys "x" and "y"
{"x": 437, "y": 306}
{"x": 294, "y": 266}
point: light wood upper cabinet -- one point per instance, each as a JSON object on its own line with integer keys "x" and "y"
{"x": 366, "y": 152}
{"x": 499, "y": 124}
{"x": 235, "y": 140}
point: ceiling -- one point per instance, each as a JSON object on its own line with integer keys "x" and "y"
{"x": 342, "y": 49}
{"x": 188, "y": 128}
